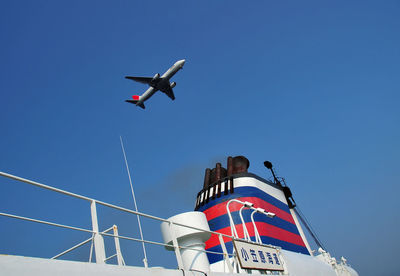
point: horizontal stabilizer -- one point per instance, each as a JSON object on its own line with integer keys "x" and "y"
{"x": 136, "y": 103}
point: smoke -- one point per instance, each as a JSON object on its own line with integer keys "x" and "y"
{"x": 189, "y": 179}
{"x": 173, "y": 193}
{"x": 177, "y": 192}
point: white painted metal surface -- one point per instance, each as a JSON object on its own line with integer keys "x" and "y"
{"x": 28, "y": 266}
{"x": 193, "y": 254}
{"x": 251, "y": 181}
{"x": 300, "y": 264}
{"x": 296, "y": 221}
{"x": 98, "y": 239}
{"x": 118, "y": 253}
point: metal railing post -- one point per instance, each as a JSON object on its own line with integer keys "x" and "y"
{"x": 91, "y": 250}
{"x": 245, "y": 204}
{"x": 98, "y": 238}
{"x": 231, "y": 222}
{"x": 246, "y": 235}
{"x": 226, "y": 255}
{"x": 256, "y": 234}
{"x": 120, "y": 259}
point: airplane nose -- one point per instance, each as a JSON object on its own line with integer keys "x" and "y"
{"x": 181, "y": 62}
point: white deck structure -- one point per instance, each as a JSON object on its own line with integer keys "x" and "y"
{"x": 176, "y": 240}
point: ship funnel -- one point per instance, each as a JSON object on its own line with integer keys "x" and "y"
{"x": 235, "y": 184}
{"x": 193, "y": 241}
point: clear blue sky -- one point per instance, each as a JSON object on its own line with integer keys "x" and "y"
{"x": 312, "y": 86}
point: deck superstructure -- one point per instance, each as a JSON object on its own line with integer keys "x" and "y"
{"x": 184, "y": 236}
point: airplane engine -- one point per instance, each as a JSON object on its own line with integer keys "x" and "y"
{"x": 156, "y": 77}
{"x": 173, "y": 84}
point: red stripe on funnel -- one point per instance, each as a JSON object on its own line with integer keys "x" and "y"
{"x": 220, "y": 209}
{"x": 264, "y": 229}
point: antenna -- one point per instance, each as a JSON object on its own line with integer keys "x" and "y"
{"x": 134, "y": 201}
{"x": 268, "y": 165}
{"x": 293, "y": 205}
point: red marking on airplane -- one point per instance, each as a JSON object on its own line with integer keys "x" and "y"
{"x": 136, "y": 97}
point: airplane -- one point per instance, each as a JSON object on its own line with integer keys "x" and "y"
{"x": 156, "y": 83}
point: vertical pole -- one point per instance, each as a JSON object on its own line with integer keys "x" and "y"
{"x": 233, "y": 226}
{"x": 246, "y": 235}
{"x": 258, "y": 238}
{"x": 229, "y": 174}
{"x": 134, "y": 201}
{"x": 98, "y": 238}
{"x": 120, "y": 259}
{"x": 226, "y": 256}
{"x": 91, "y": 249}
{"x": 218, "y": 179}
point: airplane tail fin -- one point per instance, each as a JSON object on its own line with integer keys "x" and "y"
{"x": 136, "y": 102}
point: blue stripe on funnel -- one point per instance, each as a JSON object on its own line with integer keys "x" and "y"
{"x": 223, "y": 221}
{"x": 246, "y": 192}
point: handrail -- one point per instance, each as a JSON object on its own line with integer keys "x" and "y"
{"x": 97, "y": 236}
{"x": 106, "y": 234}
{"x": 44, "y": 186}
{"x": 105, "y": 203}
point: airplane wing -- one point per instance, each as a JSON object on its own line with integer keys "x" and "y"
{"x": 169, "y": 92}
{"x": 145, "y": 80}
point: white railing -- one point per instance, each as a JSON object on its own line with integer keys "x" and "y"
{"x": 118, "y": 253}
{"x": 97, "y": 237}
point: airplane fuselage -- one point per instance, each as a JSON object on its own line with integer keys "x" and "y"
{"x": 161, "y": 83}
